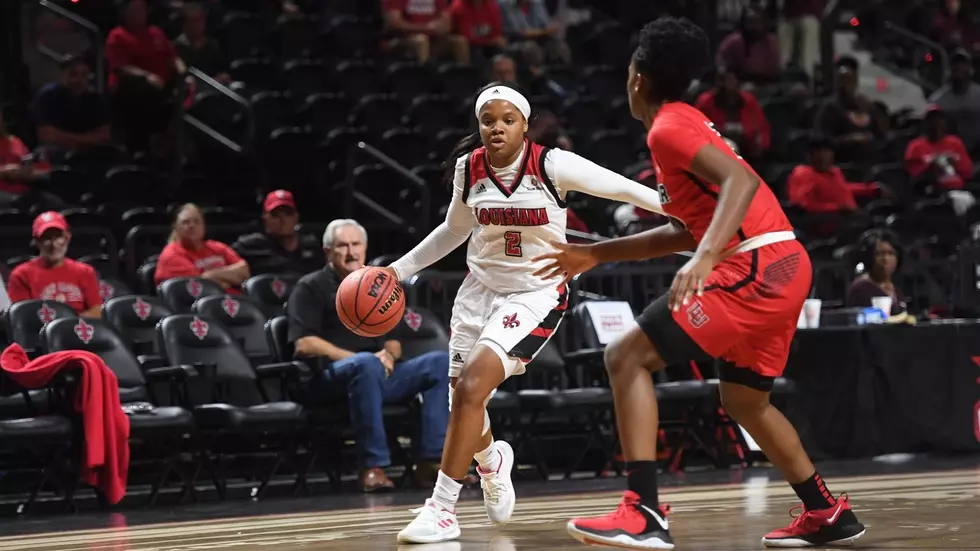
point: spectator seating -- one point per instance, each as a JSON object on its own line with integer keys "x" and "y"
{"x": 231, "y": 406}
{"x": 25, "y": 319}
{"x": 157, "y": 434}
{"x": 244, "y": 320}
{"x": 135, "y": 317}
{"x": 179, "y": 293}
{"x": 270, "y": 291}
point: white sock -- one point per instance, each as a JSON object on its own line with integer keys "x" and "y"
{"x": 489, "y": 459}
{"x": 446, "y": 492}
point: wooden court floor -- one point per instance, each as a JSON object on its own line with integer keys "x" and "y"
{"x": 910, "y": 511}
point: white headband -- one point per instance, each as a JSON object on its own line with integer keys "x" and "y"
{"x": 505, "y": 93}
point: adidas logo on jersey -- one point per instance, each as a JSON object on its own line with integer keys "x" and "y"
{"x": 457, "y": 358}
{"x": 481, "y": 189}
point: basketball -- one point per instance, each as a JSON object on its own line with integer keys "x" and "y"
{"x": 370, "y": 301}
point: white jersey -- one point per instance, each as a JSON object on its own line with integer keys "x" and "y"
{"x": 518, "y": 213}
{"x": 512, "y": 214}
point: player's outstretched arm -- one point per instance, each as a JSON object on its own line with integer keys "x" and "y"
{"x": 452, "y": 233}
{"x": 570, "y": 259}
{"x": 571, "y": 172}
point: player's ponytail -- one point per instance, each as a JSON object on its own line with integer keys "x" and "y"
{"x": 466, "y": 145}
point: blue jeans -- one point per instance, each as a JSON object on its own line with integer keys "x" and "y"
{"x": 363, "y": 376}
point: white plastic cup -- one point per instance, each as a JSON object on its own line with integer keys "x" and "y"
{"x": 811, "y": 311}
{"x": 883, "y": 303}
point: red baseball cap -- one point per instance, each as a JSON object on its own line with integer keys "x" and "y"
{"x": 46, "y": 221}
{"x": 278, "y": 198}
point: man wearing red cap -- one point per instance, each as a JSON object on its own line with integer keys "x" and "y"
{"x": 53, "y": 276}
{"x": 280, "y": 248}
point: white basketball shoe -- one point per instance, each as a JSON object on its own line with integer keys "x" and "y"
{"x": 432, "y": 525}
{"x": 498, "y": 489}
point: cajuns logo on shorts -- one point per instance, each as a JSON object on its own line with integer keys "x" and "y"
{"x": 696, "y": 316}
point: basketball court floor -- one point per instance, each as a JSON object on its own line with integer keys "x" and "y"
{"x": 903, "y": 509}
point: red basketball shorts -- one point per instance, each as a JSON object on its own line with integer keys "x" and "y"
{"x": 745, "y": 319}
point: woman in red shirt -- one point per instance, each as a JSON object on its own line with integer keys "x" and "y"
{"x": 188, "y": 254}
{"x": 736, "y": 114}
{"x": 938, "y": 160}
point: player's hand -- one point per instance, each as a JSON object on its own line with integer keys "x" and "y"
{"x": 391, "y": 271}
{"x": 387, "y": 360}
{"x": 689, "y": 280}
{"x": 568, "y": 261}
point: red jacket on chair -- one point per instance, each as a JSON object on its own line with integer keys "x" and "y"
{"x": 106, "y": 462}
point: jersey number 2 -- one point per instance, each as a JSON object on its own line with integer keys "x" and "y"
{"x": 512, "y": 243}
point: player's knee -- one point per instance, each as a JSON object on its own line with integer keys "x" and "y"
{"x": 470, "y": 391}
{"x": 743, "y": 405}
{"x": 632, "y": 351}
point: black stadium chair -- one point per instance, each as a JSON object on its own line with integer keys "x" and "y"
{"x": 157, "y": 434}
{"x": 257, "y": 73}
{"x": 555, "y": 407}
{"x": 146, "y": 273}
{"x": 295, "y": 36}
{"x": 271, "y": 110}
{"x": 26, "y": 318}
{"x": 270, "y": 291}
{"x": 179, "y": 293}
{"x": 459, "y": 81}
{"x": 358, "y": 79}
{"x": 404, "y": 145}
{"x": 324, "y": 112}
{"x": 603, "y": 81}
{"x": 354, "y": 36}
{"x": 580, "y": 113}
{"x": 408, "y": 81}
{"x": 111, "y": 287}
{"x": 305, "y": 76}
{"x": 242, "y": 34}
{"x": 244, "y": 320}
{"x": 135, "y": 317}
{"x": 377, "y": 113}
{"x": 231, "y": 408}
{"x": 32, "y": 442}
{"x": 431, "y": 114}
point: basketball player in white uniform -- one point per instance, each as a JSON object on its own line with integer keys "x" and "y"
{"x": 509, "y": 201}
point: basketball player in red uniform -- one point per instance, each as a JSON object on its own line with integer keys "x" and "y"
{"x": 736, "y": 301}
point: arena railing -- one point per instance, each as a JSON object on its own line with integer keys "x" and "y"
{"x": 932, "y": 49}
{"x": 96, "y": 41}
{"x": 245, "y": 145}
{"x": 419, "y": 226}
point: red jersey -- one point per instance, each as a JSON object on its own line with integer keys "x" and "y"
{"x": 149, "y": 50}
{"x": 72, "y": 283}
{"x": 12, "y": 152}
{"x": 679, "y": 131}
{"x": 920, "y": 154}
{"x": 419, "y": 12}
{"x": 481, "y": 25}
{"x": 179, "y": 261}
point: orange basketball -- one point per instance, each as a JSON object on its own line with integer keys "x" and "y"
{"x": 370, "y": 301}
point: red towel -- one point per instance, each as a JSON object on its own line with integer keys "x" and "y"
{"x": 106, "y": 464}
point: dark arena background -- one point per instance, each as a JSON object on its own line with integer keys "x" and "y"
{"x": 861, "y": 115}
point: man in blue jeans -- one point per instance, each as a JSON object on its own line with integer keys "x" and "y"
{"x": 370, "y": 372}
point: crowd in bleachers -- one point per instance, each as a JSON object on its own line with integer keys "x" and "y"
{"x": 86, "y": 184}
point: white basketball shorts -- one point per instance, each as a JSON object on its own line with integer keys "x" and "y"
{"x": 514, "y": 325}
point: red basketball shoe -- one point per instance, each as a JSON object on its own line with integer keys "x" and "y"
{"x": 631, "y": 526}
{"x": 834, "y": 526}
